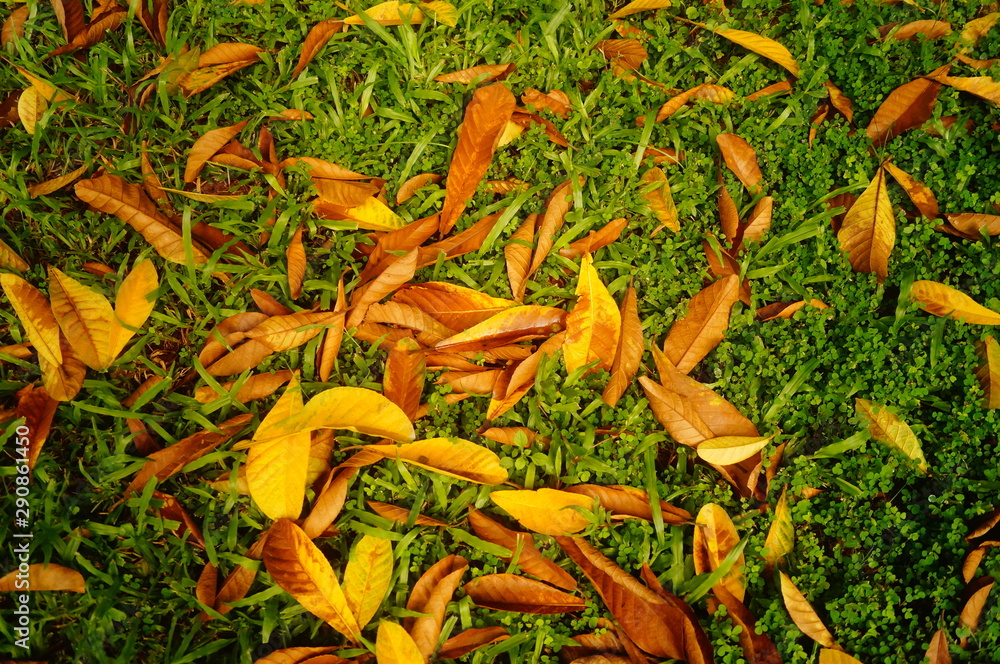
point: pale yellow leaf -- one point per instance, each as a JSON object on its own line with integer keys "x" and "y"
{"x": 545, "y": 511}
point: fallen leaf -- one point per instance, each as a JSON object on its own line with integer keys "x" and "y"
{"x": 301, "y": 569}
{"x": 972, "y": 32}
{"x": 645, "y": 617}
{"x": 757, "y": 647}
{"x": 940, "y": 300}
{"x": 741, "y": 159}
{"x": 975, "y": 224}
{"x": 394, "y": 646}
{"x": 802, "y": 613}
{"x": 728, "y": 450}
{"x": 545, "y": 511}
{"x": 254, "y": 387}
{"x": 44, "y": 576}
{"x": 471, "y": 639}
{"x": 431, "y": 595}
{"x": 781, "y": 537}
{"x": 330, "y": 501}
{"x": 402, "y": 240}
{"x": 10, "y": 260}
{"x": 637, "y": 6}
{"x": 453, "y": 457}
{"x": 714, "y": 537}
{"x": 759, "y": 221}
{"x": 403, "y": 383}
{"x": 477, "y": 74}
{"x": 401, "y": 514}
{"x": 485, "y": 117}
{"x": 929, "y": 28}
{"x": 63, "y": 381}
{"x": 659, "y": 198}
{"x": 318, "y": 36}
{"x": 781, "y": 87}
{"x": 38, "y": 410}
{"x": 509, "y": 592}
{"x": 276, "y": 470}
{"x": 887, "y": 428}
{"x": 206, "y": 146}
{"x": 367, "y": 577}
{"x": 840, "y": 101}
{"x": 595, "y": 240}
{"x": 594, "y": 324}
{"x": 832, "y": 656}
{"x": 295, "y": 258}
{"x": 395, "y": 275}
{"x": 628, "y": 355}
{"x": 55, "y": 184}
{"x": 509, "y": 326}
{"x": 35, "y": 313}
{"x": 762, "y": 46}
{"x": 556, "y": 101}
{"x": 457, "y": 307}
{"x": 703, "y": 326}
{"x": 989, "y": 373}
{"x": 629, "y": 501}
{"x": 984, "y": 87}
{"x": 13, "y": 27}
{"x": 530, "y": 559}
{"x": 868, "y": 233}
{"x": 626, "y": 53}
{"x": 85, "y": 316}
{"x": 786, "y": 309}
{"x": 518, "y": 256}
{"x": 919, "y": 194}
{"x": 471, "y": 239}
{"x": 413, "y": 185}
{"x": 975, "y": 595}
{"x": 937, "y": 651}
{"x": 908, "y": 106}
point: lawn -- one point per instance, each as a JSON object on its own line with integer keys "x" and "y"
{"x": 500, "y": 332}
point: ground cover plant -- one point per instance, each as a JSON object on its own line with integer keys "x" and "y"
{"x": 500, "y": 332}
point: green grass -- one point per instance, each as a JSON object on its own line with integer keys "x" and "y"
{"x": 878, "y": 552}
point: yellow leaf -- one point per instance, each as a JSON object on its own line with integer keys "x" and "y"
{"x": 546, "y": 511}
{"x": 989, "y": 373}
{"x": 85, "y": 317}
{"x": 762, "y": 46}
{"x": 55, "y": 184}
{"x": 984, "y": 87}
{"x": 298, "y": 566}
{"x": 47, "y": 91}
{"x": 941, "y": 300}
{"x": 781, "y": 537}
{"x": 975, "y": 30}
{"x": 442, "y": 12}
{"x": 889, "y": 429}
{"x": 35, "y": 314}
{"x": 869, "y": 229}
{"x": 134, "y": 302}
{"x": 637, "y": 6}
{"x": 352, "y": 408}
{"x": 45, "y": 576}
{"x": 454, "y": 457}
{"x": 726, "y": 450}
{"x": 831, "y": 656}
{"x": 393, "y": 645}
{"x": 594, "y": 324}
{"x": 10, "y": 260}
{"x": 31, "y": 106}
{"x": 389, "y": 13}
{"x": 280, "y": 333}
{"x": 63, "y": 381}
{"x": 367, "y": 577}
{"x": 276, "y": 470}
{"x": 714, "y": 537}
{"x": 803, "y": 615}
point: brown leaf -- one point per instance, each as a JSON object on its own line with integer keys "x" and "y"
{"x": 431, "y": 595}
{"x": 974, "y": 597}
{"x": 659, "y": 198}
{"x": 775, "y": 88}
{"x": 626, "y": 53}
{"x": 238, "y": 583}
{"x": 984, "y": 87}
{"x": 975, "y": 224}
{"x": 628, "y": 356}
{"x": 509, "y": 592}
{"x": 229, "y": 52}
{"x": 937, "y": 651}
{"x": 174, "y": 511}
{"x": 471, "y": 239}
{"x": 908, "y": 106}
{"x": 840, "y": 101}
{"x": 208, "y": 582}
{"x": 802, "y": 613}
{"x": 704, "y": 325}
{"x": 318, "y": 36}
{"x": 44, "y": 576}
{"x": 471, "y": 639}
{"x": 55, "y": 184}
{"x": 429, "y": 330}
{"x": 518, "y": 256}
{"x": 402, "y": 515}
{"x": 728, "y": 214}
{"x": 254, "y": 387}
{"x": 629, "y": 501}
{"x": 71, "y": 19}
{"x": 918, "y": 192}
{"x": 759, "y": 222}
{"x": 559, "y": 203}
{"x": 513, "y": 325}
{"x": 267, "y": 304}
{"x": 395, "y": 275}
{"x": 595, "y": 240}
{"x": 554, "y": 100}
{"x": 171, "y": 459}
{"x": 112, "y": 195}
{"x": 206, "y": 147}
{"x": 477, "y": 74}
{"x": 405, "y": 239}
{"x": 403, "y": 383}
{"x": 414, "y": 184}
{"x": 989, "y": 372}
{"x": 741, "y": 160}
{"x": 457, "y": 307}
{"x": 644, "y": 616}
{"x": 295, "y": 257}
{"x": 786, "y": 309}
{"x": 485, "y": 118}
{"x": 530, "y": 559}
{"x": 13, "y": 27}
{"x": 930, "y": 29}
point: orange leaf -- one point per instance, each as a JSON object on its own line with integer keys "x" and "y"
{"x": 628, "y": 356}
{"x": 554, "y": 100}
{"x": 974, "y": 595}
{"x": 206, "y": 147}
{"x": 918, "y": 192}
{"x": 478, "y": 74}
{"x": 775, "y": 88}
{"x": 757, "y": 647}
{"x": 802, "y": 613}
{"x": 627, "y": 53}
{"x": 839, "y": 101}
{"x": 518, "y": 256}
{"x": 229, "y": 52}
{"x": 741, "y": 160}
{"x": 414, "y": 184}
{"x": 984, "y": 87}
{"x": 937, "y": 651}
{"x": 786, "y": 309}
{"x": 485, "y": 118}
{"x": 405, "y": 239}
{"x": 471, "y": 239}
{"x": 402, "y": 515}
{"x": 714, "y": 537}
{"x": 318, "y": 36}
{"x": 35, "y": 313}
{"x": 530, "y": 560}
{"x": 431, "y": 595}
{"x": 703, "y": 327}
{"x": 868, "y": 232}
{"x": 759, "y": 222}
{"x": 509, "y": 592}
{"x": 329, "y": 502}
{"x": 929, "y": 28}
{"x": 629, "y": 501}
{"x": 989, "y": 373}
{"x": 403, "y": 383}
{"x": 559, "y": 203}
{"x": 659, "y": 198}
{"x": 45, "y": 576}
{"x": 471, "y": 639}
{"x": 729, "y": 216}
{"x": 295, "y": 256}
{"x": 395, "y": 275}
{"x": 38, "y": 409}
{"x": 594, "y": 324}
{"x": 595, "y": 240}
{"x": 457, "y": 307}
{"x": 545, "y": 511}
{"x": 975, "y": 224}
{"x": 940, "y": 300}
{"x": 908, "y": 106}
{"x": 519, "y": 323}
